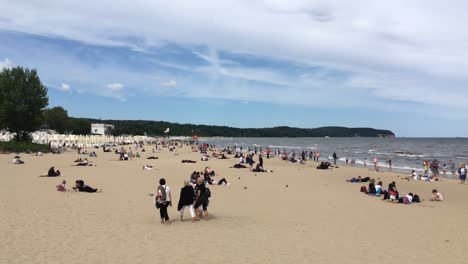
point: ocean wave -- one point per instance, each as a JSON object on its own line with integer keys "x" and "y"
{"x": 287, "y": 147}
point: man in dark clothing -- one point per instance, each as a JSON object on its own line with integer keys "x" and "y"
{"x": 335, "y": 157}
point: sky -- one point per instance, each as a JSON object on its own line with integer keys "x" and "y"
{"x": 398, "y": 65}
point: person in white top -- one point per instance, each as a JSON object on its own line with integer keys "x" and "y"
{"x": 163, "y": 200}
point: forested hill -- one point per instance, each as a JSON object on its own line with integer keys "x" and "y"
{"x": 157, "y": 128}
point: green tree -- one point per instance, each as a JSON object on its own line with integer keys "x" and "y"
{"x": 79, "y": 126}
{"x": 23, "y": 99}
{"x": 56, "y": 118}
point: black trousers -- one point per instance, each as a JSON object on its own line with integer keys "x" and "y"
{"x": 163, "y": 211}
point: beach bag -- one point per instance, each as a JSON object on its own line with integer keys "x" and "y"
{"x": 160, "y": 200}
{"x": 363, "y": 189}
{"x": 208, "y": 193}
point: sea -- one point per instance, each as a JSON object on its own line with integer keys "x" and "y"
{"x": 406, "y": 154}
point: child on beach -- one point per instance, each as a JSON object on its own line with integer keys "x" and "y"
{"x": 437, "y": 196}
{"x": 62, "y": 186}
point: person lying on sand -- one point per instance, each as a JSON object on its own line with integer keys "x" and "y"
{"x": 84, "y": 162}
{"x": 148, "y": 167}
{"x": 239, "y": 166}
{"x": 152, "y": 157}
{"x": 188, "y": 161}
{"x": 81, "y": 187}
{"x": 17, "y": 160}
{"x": 51, "y": 173}
{"x": 408, "y": 199}
{"x": 354, "y": 179}
{"x": 437, "y": 196}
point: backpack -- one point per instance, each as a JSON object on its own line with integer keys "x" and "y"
{"x": 364, "y": 189}
{"x": 163, "y": 194}
{"x": 208, "y": 193}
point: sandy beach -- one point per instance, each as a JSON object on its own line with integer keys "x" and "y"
{"x": 296, "y": 214}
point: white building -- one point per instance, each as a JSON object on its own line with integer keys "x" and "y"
{"x": 101, "y": 129}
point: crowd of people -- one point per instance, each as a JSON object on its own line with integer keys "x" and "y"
{"x": 391, "y": 194}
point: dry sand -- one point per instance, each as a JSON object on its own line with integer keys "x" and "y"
{"x": 318, "y": 218}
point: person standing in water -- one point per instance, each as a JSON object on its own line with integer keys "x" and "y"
{"x": 335, "y": 157}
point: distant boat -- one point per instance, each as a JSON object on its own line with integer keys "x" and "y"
{"x": 327, "y": 137}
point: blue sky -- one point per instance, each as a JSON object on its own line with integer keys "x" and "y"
{"x": 398, "y": 66}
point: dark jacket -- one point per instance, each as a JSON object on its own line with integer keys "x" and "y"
{"x": 187, "y": 197}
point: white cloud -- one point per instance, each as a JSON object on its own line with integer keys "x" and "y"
{"x": 170, "y": 83}
{"x": 6, "y": 64}
{"x": 387, "y": 51}
{"x": 64, "y": 87}
{"x": 115, "y": 86}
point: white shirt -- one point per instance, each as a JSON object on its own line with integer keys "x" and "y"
{"x": 168, "y": 192}
{"x": 410, "y": 198}
{"x": 378, "y": 187}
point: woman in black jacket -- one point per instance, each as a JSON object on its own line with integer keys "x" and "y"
{"x": 187, "y": 197}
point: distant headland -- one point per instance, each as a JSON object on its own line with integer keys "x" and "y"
{"x": 157, "y": 128}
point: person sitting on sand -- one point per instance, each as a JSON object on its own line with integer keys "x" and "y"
{"x": 204, "y": 158}
{"x": 186, "y": 200}
{"x": 324, "y": 165}
{"x": 62, "y": 186}
{"x": 17, "y": 160}
{"x": 378, "y": 188}
{"x": 436, "y": 196}
{"x": 202, "y": 199}
{"x": 53, "y": 173}
{"x": 80, "y": 186}
{"x": 412, "y": 176}
{"x": 371, "y": 189}
{"x": 259, "y": 168}
{"x": 93, "y": 154}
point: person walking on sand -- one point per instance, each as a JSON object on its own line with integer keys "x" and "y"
{"x": 163, "y": 198}
{"x": 335, "y": 157}
{"x": 462, "y": 173}
{"x": 201, "y": 200}
{"x": 187, "y": 197}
